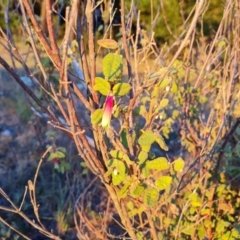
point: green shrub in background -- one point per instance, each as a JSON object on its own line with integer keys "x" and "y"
{"x": 174, "y": 14}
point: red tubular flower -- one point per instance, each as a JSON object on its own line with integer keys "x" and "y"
{"x": 107, "y": 112}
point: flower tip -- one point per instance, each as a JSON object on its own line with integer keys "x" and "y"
{"x": 107, "y": 112}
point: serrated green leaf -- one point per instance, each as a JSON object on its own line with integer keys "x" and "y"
{"x": 160, "y": 163}
{"x": 57, "y": 154}
{"x": 151, "y": 197}
{"x": 163, "y": 182}
{"x": 147, "y": 138}
{"x": 164, "y": 102}
{"x": 96, "y": 117}
{"x": 121, "y": 89}
{"x": 142, "y": 157}
{"x": 112, "y": 65}
{"x": 102, "y": 86}
{"x": 161, "y": 142}
{"x": 178, "y": 164}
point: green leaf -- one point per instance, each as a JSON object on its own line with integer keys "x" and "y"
{"x": 112, "y": 65}
{"x": 175, "y": 114}
{"x": 221, "y": 225}
{"x": 121, "y": 89}
{"x": 133, "y": 212}
{"x": 46, "y": 62}
{"x": 189, "y": 229}
{"x": 165, "y": 82}
{"x": 201, "y": 231}
{"x": 57, "y": 154}
{"x": 207, "y": 223}
{"x": 139, "y": 110}
{"x": 161, "y": 142}
{"x": 142, "y": 157}
{"x": 174, "y": 87}
{"x": 163, "y": 182}
{"x": 160, "y": 163}
{"x": 124, "y": 190}
{"x": 138, "y": 190}
{"x": 127, "y": 159}
{"x": 151, "y": 197}
{"x": 108, "y": 43}
{"x": 147, "y": 138}
{"x": 123, "y": 138}
{"x": 117, "y": 178}
{"x": 237, "y": 149}
{"x": 62, "y": 149}
{"x": 130, "y": 205}
{"x": 108, "y": 173}
{"x": 102, "y": 86}
{"x": 96, "y": 117}
{"x": 164, "y": 102}
{"x": 145, "y": 171}
{"x": 120, "y": 166}
{"x": 116, "y": 154}
{"x": 195, "y": 200}
{"x": 178, "y": 165}
{"x": 119, "y": 171}
{"x": 146, "y": 148}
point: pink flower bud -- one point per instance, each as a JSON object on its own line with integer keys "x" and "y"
{"x": 108, "y": 109}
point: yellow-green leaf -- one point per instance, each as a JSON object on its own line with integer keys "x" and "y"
{"x": 112, "y": 65}
{"x": 142, "y": 157}
{"x": 147, "y": 138}
{"x": 163, "y": 182}
{"x": 164, "y": 102}
{"x": 178, "y": 164}
{"x": 161, "y": 142}
{"x": 151, "y": 197}
{"x": 102, "y": 86}
{"x": 96, "y": 117}
{"x": 121, "y": 89}
{"x": 160, "y": 163}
